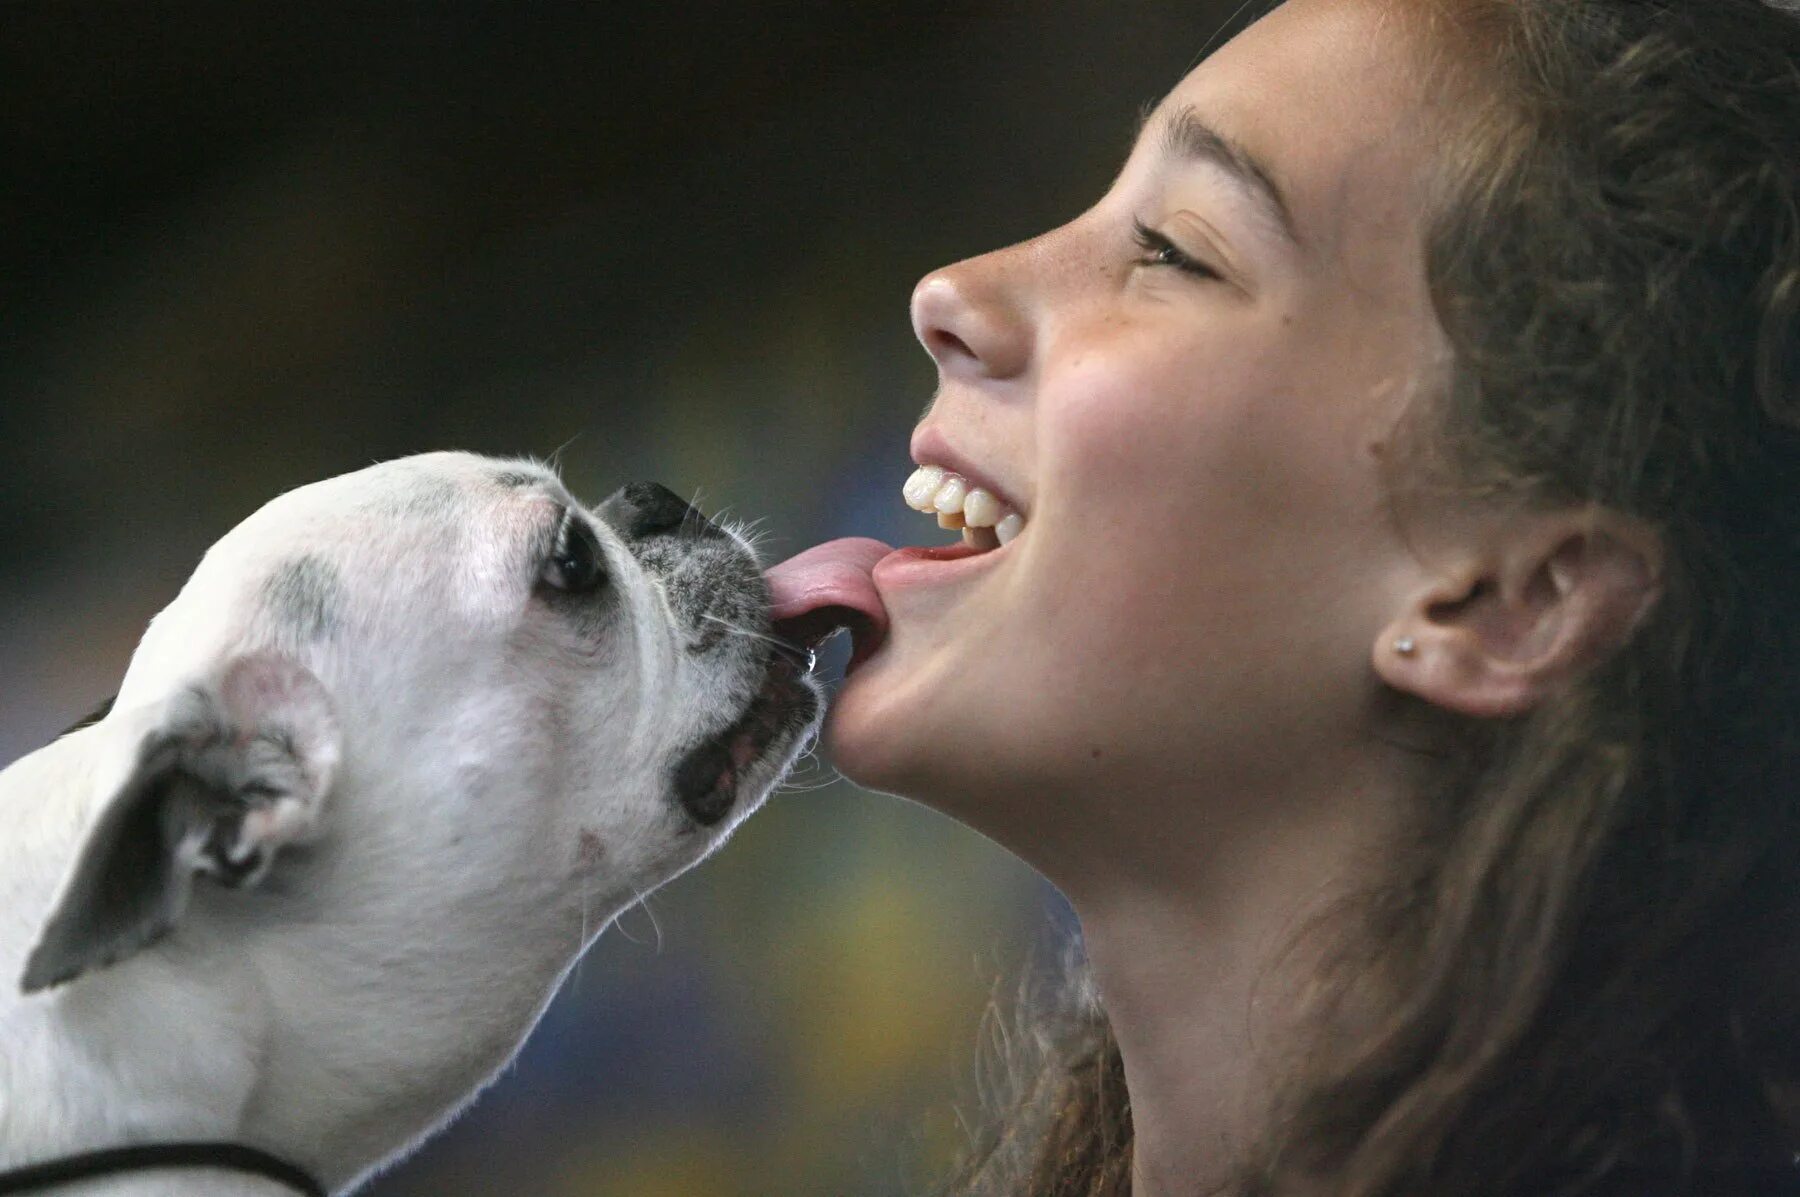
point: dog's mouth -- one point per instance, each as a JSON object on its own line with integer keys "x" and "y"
{"x": 709, "y": 777}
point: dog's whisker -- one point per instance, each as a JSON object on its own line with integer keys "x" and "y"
{"x": 806, "y": 784}
{"x": 751, "y": 533}
{"x": 747, "y": 633}
{"x": 792, "y": 788}
{"x": 739, "y": 629}
{"x": 655, "y": 924}
{"x": 619, "y": 924}
{"x": 832, "y": 773}
{"x": 728, "y": 519}
{"x": 580, "y": 947}
{"x": 555, "y": 462}
{"x": 809, "y": 756}
{"x": 642, "y": 903}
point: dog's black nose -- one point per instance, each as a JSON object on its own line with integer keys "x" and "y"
{"x": 643, "y": 509}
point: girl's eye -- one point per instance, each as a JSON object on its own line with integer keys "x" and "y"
{"x": 1160, "y": 251}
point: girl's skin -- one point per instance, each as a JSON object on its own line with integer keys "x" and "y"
{"x": 1173, "y": 693}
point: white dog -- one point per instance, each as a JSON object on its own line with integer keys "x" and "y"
{"x": 399, "y": 750}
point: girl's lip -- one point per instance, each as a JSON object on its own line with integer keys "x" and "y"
{"x": 926, "y": 564}
{"x": 915, "y": 566}
{"x": 931, "y": 448}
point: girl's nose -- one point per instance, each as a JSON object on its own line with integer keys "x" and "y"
{"x": 970, "y": 323}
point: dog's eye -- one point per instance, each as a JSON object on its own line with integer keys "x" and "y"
{"x": 576, "y": 565}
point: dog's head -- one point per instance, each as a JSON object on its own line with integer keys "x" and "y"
{"x": 422, "y": 731}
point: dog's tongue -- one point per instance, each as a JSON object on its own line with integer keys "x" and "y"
{"x": 828, "y": 587}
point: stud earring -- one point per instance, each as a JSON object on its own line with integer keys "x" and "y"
{"x": 1405, "y": 646}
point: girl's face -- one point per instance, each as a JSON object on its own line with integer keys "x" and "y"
{"x": 1185, "y": 391}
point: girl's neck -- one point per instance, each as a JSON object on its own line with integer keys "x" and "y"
{"x": 1206, "y": 977}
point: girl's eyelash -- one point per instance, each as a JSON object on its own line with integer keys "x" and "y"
{"x": 1160, "y": 251}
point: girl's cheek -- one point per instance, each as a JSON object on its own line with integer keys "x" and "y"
{"x": 1145, "y": 425}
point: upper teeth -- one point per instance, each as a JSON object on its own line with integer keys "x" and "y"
{"x": 936, "y": 491}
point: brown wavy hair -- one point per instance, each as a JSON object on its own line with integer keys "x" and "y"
{"x": 1589, "y": 961}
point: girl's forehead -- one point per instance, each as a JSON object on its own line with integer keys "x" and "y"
{"x": 1327, "y": 98}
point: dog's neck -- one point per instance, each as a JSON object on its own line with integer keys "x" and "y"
{"x": 242, "y": 1027}
{"x": 146, "y": 1054}
{"x": 225, "y": 1032}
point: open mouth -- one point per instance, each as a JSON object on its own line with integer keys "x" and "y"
{"x": 827, "y": 588}
{"x": 708, "y": 779}
{"x": 833, "y": 586}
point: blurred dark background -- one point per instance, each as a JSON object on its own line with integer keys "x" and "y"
{"x": 247, "y": 245}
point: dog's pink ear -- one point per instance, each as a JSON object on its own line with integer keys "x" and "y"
{"x": 215, "y": 782}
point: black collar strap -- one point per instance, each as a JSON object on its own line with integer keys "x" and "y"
{"x": 234, "y": 1157}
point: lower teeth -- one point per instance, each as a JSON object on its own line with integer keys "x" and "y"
{"x": 981, "y": 538}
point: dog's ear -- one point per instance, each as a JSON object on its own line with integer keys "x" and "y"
{"x": 226, "y": 773}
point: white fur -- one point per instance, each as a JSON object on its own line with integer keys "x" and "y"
{"x": 487, "y": 788}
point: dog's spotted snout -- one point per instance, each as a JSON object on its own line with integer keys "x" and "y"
{"x": 645, "y": 509}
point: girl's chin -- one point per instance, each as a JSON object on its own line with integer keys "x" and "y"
{"x": 909, "y": 718}
{"x": 860, "y": 742}
{"x": 875, "y": 730}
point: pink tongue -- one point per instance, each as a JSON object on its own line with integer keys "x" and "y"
{"x": 816, "y": 592}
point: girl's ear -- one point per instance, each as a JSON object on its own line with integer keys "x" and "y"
{"x": 219, "y": 778}
{"x": 1551, "y": 595}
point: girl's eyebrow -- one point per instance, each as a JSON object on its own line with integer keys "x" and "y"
{"x": 1186, "y": 135}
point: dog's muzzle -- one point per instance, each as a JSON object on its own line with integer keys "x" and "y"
{"x": 670, "y": 536}
{"x": 708, "y": 778}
